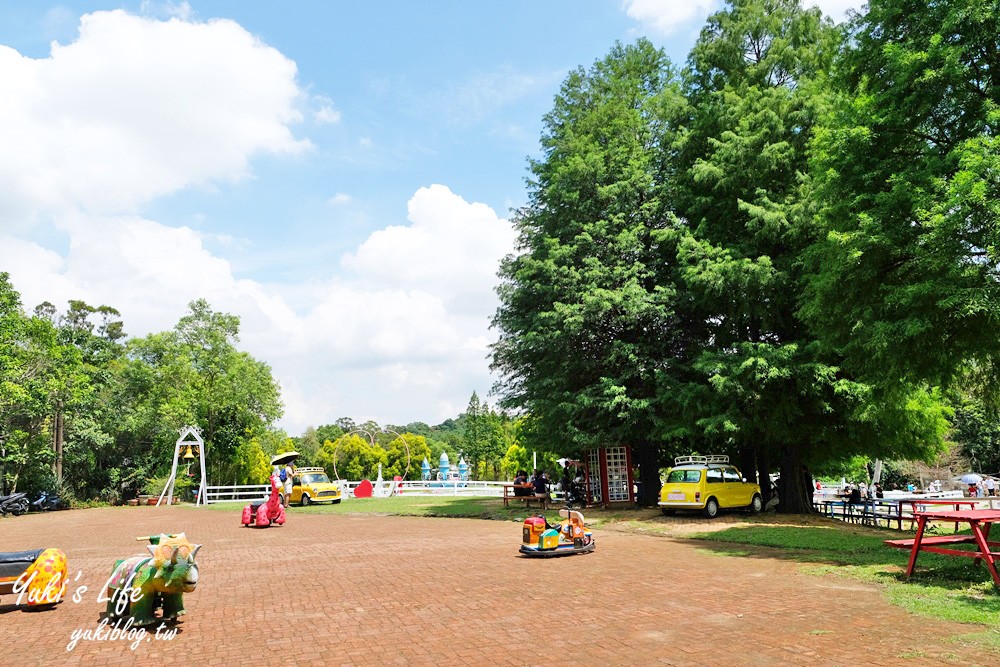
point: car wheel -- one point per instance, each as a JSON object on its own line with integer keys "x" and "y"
{"x": 757, "y": 504}
{"x": 668, "y": 511}
{"x": 305, "y": 500}
{"x": 337, "y": 501}
{"x": 711, "y": 508}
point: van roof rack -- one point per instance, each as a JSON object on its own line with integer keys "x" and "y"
{"x": 713, "y": 458}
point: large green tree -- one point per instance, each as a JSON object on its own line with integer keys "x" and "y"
{"x": 756, "y": 87}
{"x": 905, "y": 278}
{"x": 586, "y": 318}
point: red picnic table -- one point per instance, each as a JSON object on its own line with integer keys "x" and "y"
{"x": 979, "y": 521}
{"x": 916, "y": 503}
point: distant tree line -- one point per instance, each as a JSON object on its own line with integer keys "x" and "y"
{"x": 95, "y": 414}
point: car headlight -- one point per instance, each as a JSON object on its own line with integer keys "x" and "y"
{"x": 315, "y": 492}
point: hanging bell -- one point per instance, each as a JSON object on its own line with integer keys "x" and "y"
{"x": 188, "y": 454}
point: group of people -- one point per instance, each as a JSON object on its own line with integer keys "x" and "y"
{"x": 984, "y": 488}
{"x": 857, "y": 492}
{"x": 539, "y": 484}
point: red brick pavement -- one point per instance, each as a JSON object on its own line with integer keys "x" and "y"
{"x": 369, "y": 590}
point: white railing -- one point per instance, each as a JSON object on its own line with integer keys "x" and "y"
{"x": 429, "y": 488}
{"x": 222, "y": 494}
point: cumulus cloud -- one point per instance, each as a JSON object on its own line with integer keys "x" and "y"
{"x": 451, "y": 249}
{"x": 666, "y": 16}
{"x": 400, "y": 330}
{"x": 137, "y": 108}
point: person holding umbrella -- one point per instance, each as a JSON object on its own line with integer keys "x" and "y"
{"x": 283, "y": 469}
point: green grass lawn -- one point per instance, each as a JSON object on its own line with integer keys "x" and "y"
{"x": 943, "y": 587}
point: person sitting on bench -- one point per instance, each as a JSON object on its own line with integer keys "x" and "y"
{"x": 540, "y": 485}
{"x": 521, "y": 484}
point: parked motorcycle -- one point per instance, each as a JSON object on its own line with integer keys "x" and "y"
{"x": 47, "y": 501}
{"x": 16, "y": 504}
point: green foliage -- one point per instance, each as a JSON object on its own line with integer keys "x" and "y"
{"x": 904, "y": 280}
{"x": 352, "y": 457}
{"x": 80, "y": 401}
{"x": 586, "y": 314}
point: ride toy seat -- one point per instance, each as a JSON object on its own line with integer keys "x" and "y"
{"x": 42, "y": 573}
{"x": 13, "y": 563}
{"x": 576, "y": 529}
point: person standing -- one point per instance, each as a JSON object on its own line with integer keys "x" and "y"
{"x": 991, "y": 486}
{"x": 289, "y": 471}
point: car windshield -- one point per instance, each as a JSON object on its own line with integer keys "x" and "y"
{"x": 315, "y": 478}
{"x": 689, "y": 476}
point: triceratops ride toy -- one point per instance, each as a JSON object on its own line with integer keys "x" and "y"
{"x": 37, "y": 577}
{"x": 140, "y": 584}
{"x": 263, "y": 514}
{"x": 570, "y": 536}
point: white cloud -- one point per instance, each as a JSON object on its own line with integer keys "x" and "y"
{"x": 401, "y": 330}
{"x": 451, "y": 249}
{"x": 666, "y": 16}
{"x": 327, "y": 113}
{"x": 484, "y": 93}
{"x": 136, "y": 108}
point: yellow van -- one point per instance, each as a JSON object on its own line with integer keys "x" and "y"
{"x": 707, "y": 484}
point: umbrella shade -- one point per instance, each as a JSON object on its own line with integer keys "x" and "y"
{"x": 971, "y": 478}
{"x": 282, "y": 459}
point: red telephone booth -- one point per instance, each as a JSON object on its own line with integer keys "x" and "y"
{"x": 609, "y": 473}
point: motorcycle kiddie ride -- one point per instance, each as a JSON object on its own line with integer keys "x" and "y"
{"x": 570, "y": 536}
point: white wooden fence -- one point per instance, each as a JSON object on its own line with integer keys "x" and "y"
{"x": 247, "y": 492}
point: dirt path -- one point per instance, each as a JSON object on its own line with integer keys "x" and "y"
{"x": 366, "y": 590}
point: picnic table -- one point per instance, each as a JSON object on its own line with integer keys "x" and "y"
{"x": 916, "y": 503}
{"x": 979, "y": 521}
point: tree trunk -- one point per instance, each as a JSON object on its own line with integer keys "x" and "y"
{"x": 795, "y": 498}
{"x": 763, "y": 475}
{"x": 646, "y": 457}
{"x": 748, "y": 464}
{"x": 60, "y": 437}
{"x": 57, "y": 443}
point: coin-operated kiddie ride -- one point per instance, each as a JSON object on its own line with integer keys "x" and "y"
{"x": 37, "y": 577}
{"x": 140, "y": 584}
{"x": 263, "y": 514}
{"x": 570, "y": 536}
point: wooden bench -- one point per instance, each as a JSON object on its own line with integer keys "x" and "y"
{"x": 932, "y": 540}
{"x": 508, "y": 495}
{"x": 936, "y": 543}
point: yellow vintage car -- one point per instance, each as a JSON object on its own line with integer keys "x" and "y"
{"x": 311, "y": 485}
{"x": 707, "y": 484}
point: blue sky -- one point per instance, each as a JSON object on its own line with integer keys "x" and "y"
{"x": 338, "y": 174}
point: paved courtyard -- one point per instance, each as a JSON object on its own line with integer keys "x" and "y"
{"x": 374, "y": 590}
